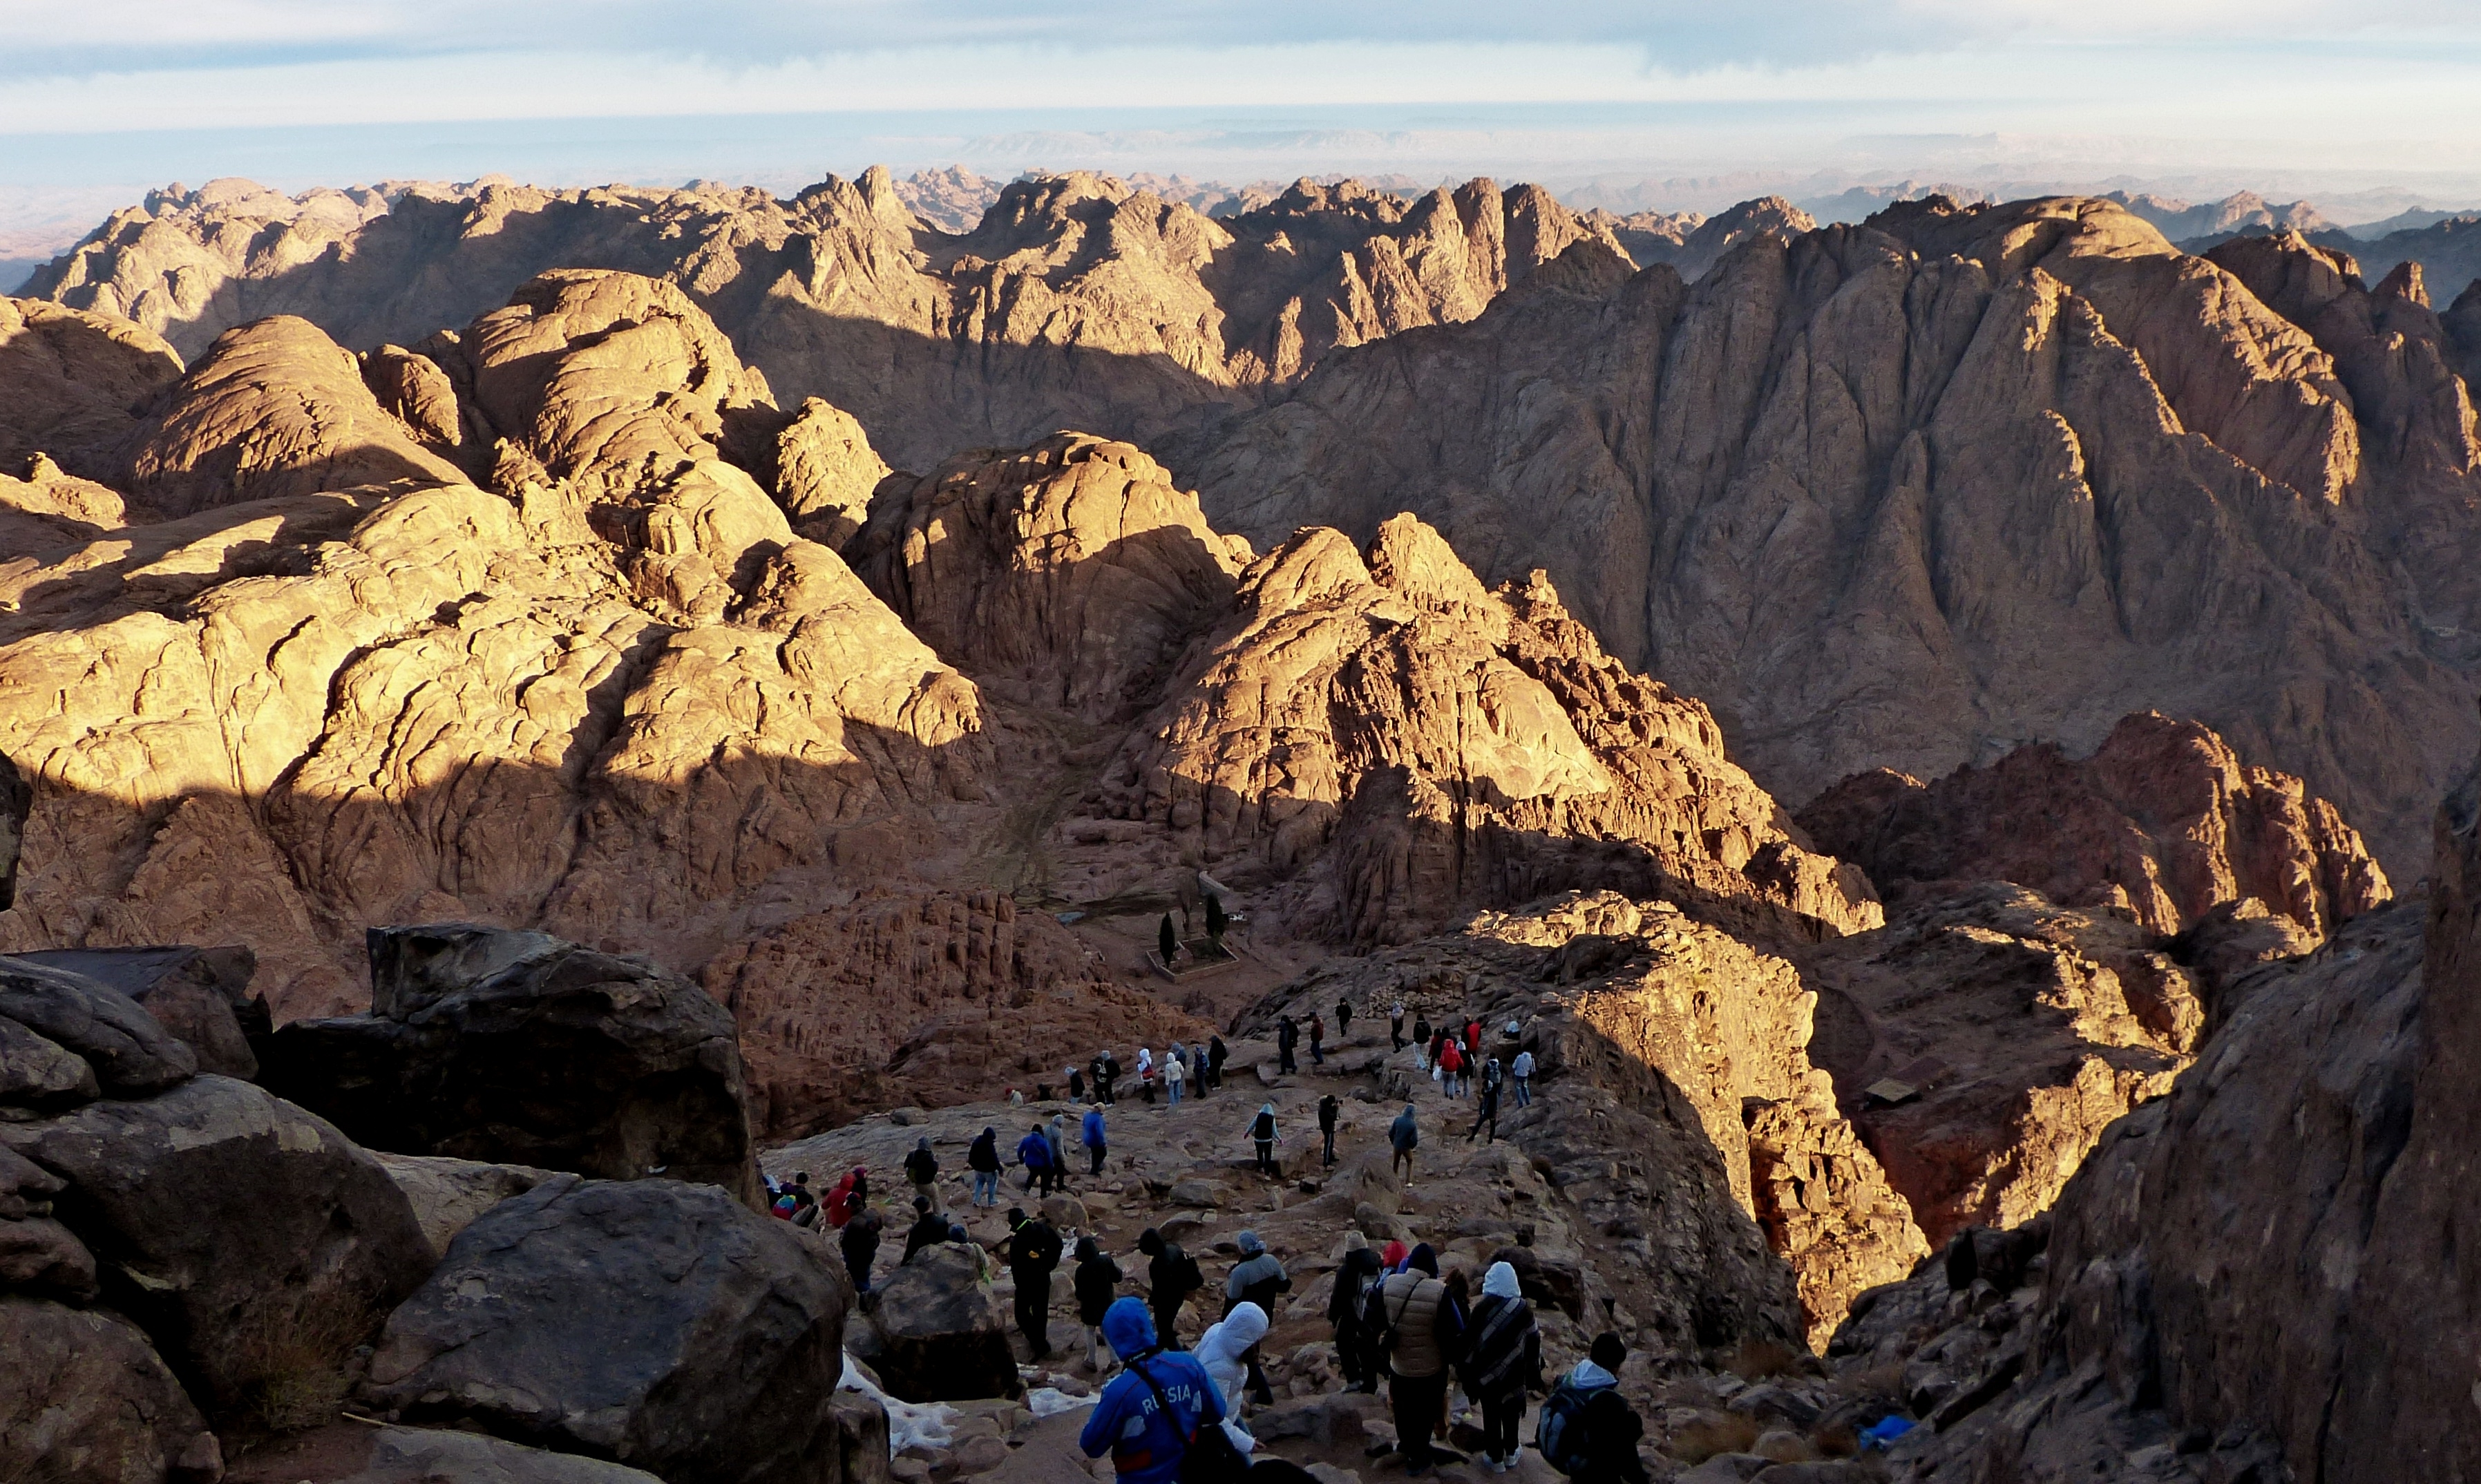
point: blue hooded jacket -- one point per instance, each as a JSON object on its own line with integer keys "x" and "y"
{"x": 1034, "y": 1151}
{"x": 1093, "y": 1128}
{"x": 1147, "y": 1447}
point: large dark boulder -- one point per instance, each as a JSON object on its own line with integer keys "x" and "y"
{"x": 82, "y": 1400}
{"x": 201, "y": 996}
{"x": 654, "y": 1324}
{"x": 250, "y": 1239}
{"x": 941, "y": 1334}
{"x": 417, "y": 1455}
{"x": 129, "y": 1052}
{"x": 517, "y": 1047}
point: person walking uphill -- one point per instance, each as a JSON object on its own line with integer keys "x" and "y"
{"x": 1328, "y": 1110}
{"x": 1093, "y": 1133}
{"x": 1033, "y": 1152}
{"x": 1354, "y": 1277}
{"x": 1502, "y": 1361}
{"x": 1395, "y": 1028}
{"x": 1147, "y": 1415}
{"x": 1097, "y": 1281}
{"x": 1318, "y": 1039}
{"x": 1288, "y": 1035}
{"x": 1229, "y": 1352}
{"x": 1171, "y": 1277}
{"x": 921, "y": 1167}
{"x": 859, "y": 1241}
{"x": 1033, "y": 1253}
{"x": 1217, "y": 1053}
{"x": 1262, "y": 1133}
{"x": 1256, "y": 1278}
{"x": 1404, "y": 1135}
{"x": 1414, "y": 1307}
{"x": 1520, "y": 1071}
{"x": 983, "y": 1162}
{"x": 1487, "y": 1115}
{"x": 1343, "y": 1019}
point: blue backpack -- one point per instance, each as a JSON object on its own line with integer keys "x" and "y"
{"x": 1558, "y": 1436}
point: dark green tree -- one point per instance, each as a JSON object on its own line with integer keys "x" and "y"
{"x": 1168, "y": 940}
{"x": 1215, "y": 919}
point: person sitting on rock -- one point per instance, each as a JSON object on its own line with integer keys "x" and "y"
{"x": 1327, "y": 1109}
{"x": 929, "y": 1230}
{"x": 1093, "y": 1133}
{"x": 1404, "y": 1135}
{"x": 1262, "y": 1133}
{"x": 1033, "y": 1152}
{"x": 1032, "y": 1253}
{"x": 1354, "y": 1277}
{"x": 860, "y": 1245}
{"x": 1171, "y": 1277}
{"x": 1097, "y": 1281}
{"x": 921, "y": 1167}
{"x": 982, "y": 1159}
{"x": 1145, "y": 1418}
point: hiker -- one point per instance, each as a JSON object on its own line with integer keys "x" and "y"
{"x": 1145, "y": 1418}
{"x": 921, "y": 1167}
{"x": 1097, "y": 1281}
{"x": 1034, "y": 1251}
{"x": 841, "y": 1206}
{"x": 1451, "y": 1062}
{"x": 1262, "y": 1133}
{"x": 1033, "y": 1152}
{"x": 1587, "y": 1431}
{"x": 929, "y": 1230}
{"x": 1171, "y": 1277}
{"x": 805, "y": 1204}
{"x": 1076, "y": 1085}
{"x": 1395, "y": 1028}
{"x": 1229, "y": 1353}
{"x": 1256, "y": 1278}
{"x": 1403, "y": 1136}
{"x": 1414, "y": 1310}
{"x": 1421, "y": 1039}
{"x": 1174, "y": 1074}
{"x": 1217, "y": 1053}
{"x": 1343, "y": 1019}
{"x": 1493, "y": 1075}
{"x": 1487, "y": 1115}
{"x": 860, "y": 1245}
{"x": 1093, "y": 1136}
{"x": 1502, "y": 1361}
{"x": 1473, "y": 1039}
{"x": 1328, "y": 1110}
{"x": 1108, "y": 1076}
{"x": 1354, "y": 1277}
{"x": 1056, "y": 1134}
{"x": 1287, "y": 1037}
{"x": 1145, "y": 1063}
{"x": 982, "y": 1159}
{"x": 1521, "y": 1070}
{"x": 1318, "y": 1039}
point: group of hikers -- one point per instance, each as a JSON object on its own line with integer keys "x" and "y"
{"x": 1196, "y": 1069}
{"x": 1395, "y": 1320}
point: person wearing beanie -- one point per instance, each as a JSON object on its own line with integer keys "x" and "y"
{"x": 1355, "y": 1276}
{"x": 1146, "y": 1416}
{"x": 1256, "y": 1278}
{"x": 1097, "y": 1282}
{"x": 1502, "y": 1361}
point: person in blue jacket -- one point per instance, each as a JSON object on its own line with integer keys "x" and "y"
{"x": 1146, "y": 1446}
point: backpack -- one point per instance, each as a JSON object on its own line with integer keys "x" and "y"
{"x": 1191, "y": 1279}
{"x": 1560, "y": 1435}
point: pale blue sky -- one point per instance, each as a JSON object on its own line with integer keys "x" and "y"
{"x": 2202, "y": 95}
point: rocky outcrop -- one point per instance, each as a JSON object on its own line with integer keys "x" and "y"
{"x": 288, "y": 1247}
{"x": 1069, "y": 575}
{"x": 652, "y": 1323}
{"x": 201, "y": 996}
{"x": 1686, "y": 1121}
{"x": 76, "y": 381}
{"x": 447, "y": 1194}
{"x": 937, "y": 1333}
{"x": 274, "y": 408}
{"x": 98, "y": 1039}
{"x": 1440, "y": 744}
{"x": 517, "y": 1047}
{"x": 1799, "y": 491}
{"x": 2162, "y": 823}
{"x": 416, "y": 1455}
{"x": 82, "y": 1400}
{"x": 1982, "y": 1042}
{"x": 921, "y": 999}
{"x": 1074, "y": 301}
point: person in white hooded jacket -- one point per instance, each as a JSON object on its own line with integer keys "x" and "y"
{"x": 1224, "y": 1352}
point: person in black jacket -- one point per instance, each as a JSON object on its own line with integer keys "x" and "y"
{"x": 1328, "y": 1108}
{"x": 1613, "y": 1429}
{"x": 921, "y": 1167}
{"x": 983, "y": 1160}
{"x": 1353, "y": 1276}
{"x": 1288, "y": 1035}
{"x": 1033, "y": 1253}
{"x": 1171, "y": 1276}
{"x": 930, "y": 1229}
{"x": 860, "y": 1243}
{"x": 1217, "y": 1053}
{"x": 1097, "y": 1282}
